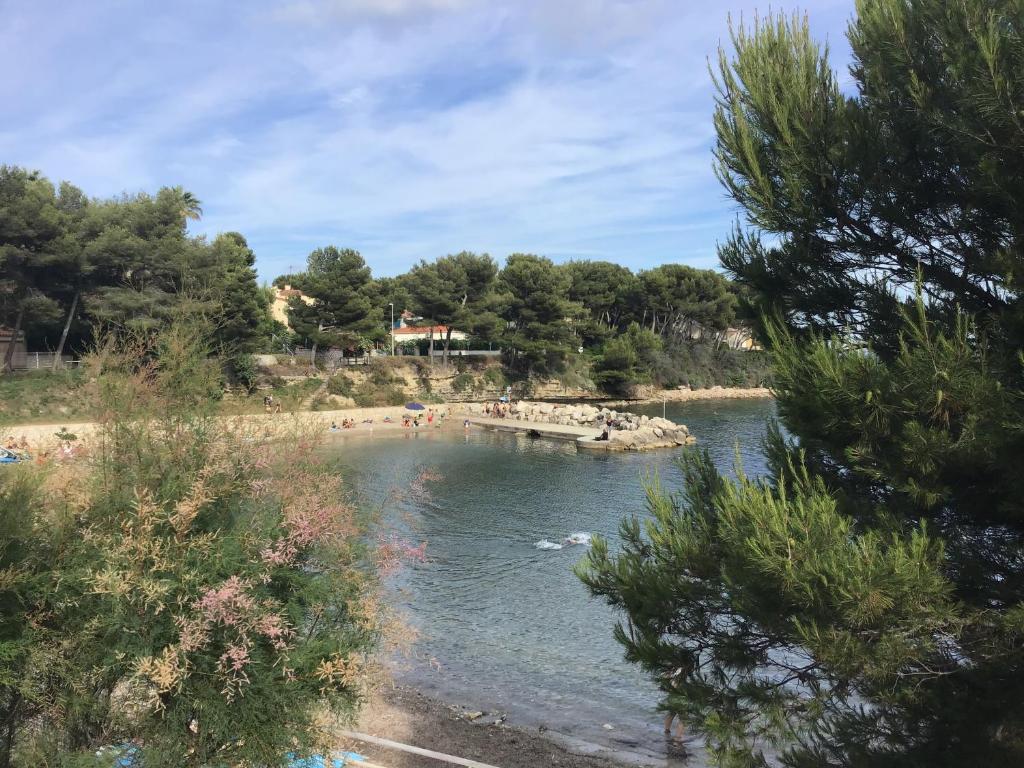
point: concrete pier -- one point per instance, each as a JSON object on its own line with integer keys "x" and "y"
{"x": 584, "y": 437}
{"x": 553, "y": 431}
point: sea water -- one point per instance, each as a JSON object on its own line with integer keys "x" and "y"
{"x": 503, "y": 623}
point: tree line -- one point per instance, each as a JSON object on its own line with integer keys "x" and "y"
{"x": 70, "y": 264}
{"x": 538, "y": 311}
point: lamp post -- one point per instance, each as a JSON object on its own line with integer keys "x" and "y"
{"x": 392, "y": 305}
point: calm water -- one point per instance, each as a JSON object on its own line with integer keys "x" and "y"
{"x": 503, "y": 625}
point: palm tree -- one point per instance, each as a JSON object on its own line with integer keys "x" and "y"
{"x": 191, "y": 206}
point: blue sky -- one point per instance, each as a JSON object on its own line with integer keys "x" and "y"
{"x": 404, "y": 128}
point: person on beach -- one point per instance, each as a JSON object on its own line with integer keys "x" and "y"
{"x": 334, "y": 426}
{"x": 430, "y": 417}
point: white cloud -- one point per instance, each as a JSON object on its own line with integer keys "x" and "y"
{"x": 407, "y": 128}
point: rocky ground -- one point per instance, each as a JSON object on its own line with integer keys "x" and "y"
{"x": 631, "y": 432}
{"x": 685, "y": 395}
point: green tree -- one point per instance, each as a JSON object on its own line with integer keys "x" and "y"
{"x": 31, "y": 250}
{"x": 343, "y": 311}
{"x": 243, "y": 323}
{"x": 627, "y": 360}
{"x": 457, "y": 291}
{"x": 863, "y": 606}
{"x": 539, "y": 317}
{"x": 685, "y": 302}
{"x": 608, "y": 291}
{"x": 145, "y": 268}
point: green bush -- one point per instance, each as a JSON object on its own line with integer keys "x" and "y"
{"x": 156, "y": 593}
{"x": 370, "y": 395}
{"x": 495, "y": 376}
{"x": 340, "y": 385}
{"x": 463, "y": 382}
{"x": 242, "y": 370}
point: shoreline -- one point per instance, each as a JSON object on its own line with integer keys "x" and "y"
{"x": 405, "y": 714}
{"x": 42, "y": 435}
{"x": 695, "y": 395}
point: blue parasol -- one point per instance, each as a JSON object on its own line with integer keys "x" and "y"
{"x": 415, "y": 406}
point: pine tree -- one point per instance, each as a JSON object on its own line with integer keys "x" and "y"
{"x": 342, "y": 312}
{"x": 864, "y": 604}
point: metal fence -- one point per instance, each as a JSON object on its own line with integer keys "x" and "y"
{"x": 42, "y": 360}
{"x": 469, "y": 353}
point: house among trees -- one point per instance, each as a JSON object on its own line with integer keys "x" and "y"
{"x": 423, "y": 332}
{"x": 279, "y": 306}
{"x": 406, "y": 330}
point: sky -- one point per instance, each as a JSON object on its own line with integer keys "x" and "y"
{"x": 407, "y": 129}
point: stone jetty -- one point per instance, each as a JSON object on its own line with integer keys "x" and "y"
{"x": 584, "y": 422}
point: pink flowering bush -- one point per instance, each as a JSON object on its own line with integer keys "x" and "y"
{"x": 199, "y": 589}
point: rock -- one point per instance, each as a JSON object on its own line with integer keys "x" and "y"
{"x": 471, "y": 716}
{"x": 659, "y": 432}
{"x": 608, "y": 727}
{"x": 644, "y": 419}
{"x": 546, "y": 408}
{"x": 620, "y": 437}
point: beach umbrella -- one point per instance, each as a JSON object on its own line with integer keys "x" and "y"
{"x": 415, "y": 406}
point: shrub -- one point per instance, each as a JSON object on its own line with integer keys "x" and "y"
{"x": 186, "y": 587}
{"x": 340, "y": 385}
{"x": 495, "y": 376}
{"x": 463, "y": 382}
{"x": 370, "y": 395}
{"x": 242, "y": 370}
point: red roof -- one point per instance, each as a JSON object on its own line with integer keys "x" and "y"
{"x": 437, "y": 329}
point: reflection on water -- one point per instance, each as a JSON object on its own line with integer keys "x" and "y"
{"x": 507, "y": 623}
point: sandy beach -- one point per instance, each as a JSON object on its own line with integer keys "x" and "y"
{"x": 368, "y": 421}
